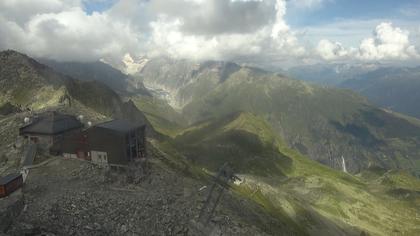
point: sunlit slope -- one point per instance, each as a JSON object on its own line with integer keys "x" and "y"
{"x": 26, "y": 83}
{"x": 320, "y": 200}
{"x": 323, "y": 123}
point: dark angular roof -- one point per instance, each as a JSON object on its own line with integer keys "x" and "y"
{"x": 6, "y": 179}
{"x": 51, "y": 123}
{"x": 123, "y": 126}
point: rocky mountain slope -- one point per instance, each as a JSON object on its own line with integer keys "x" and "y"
{"x": 326, "y": 124}
{"x": 94, "y": 201}
{"x": 97, "y": 71}
{"x": 181, "y": 81}
{"x": 28, "y": 84}
{"x": 25, "y": 82}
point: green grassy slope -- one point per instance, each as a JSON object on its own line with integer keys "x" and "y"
{"x": 317, "y": 199}
{"x": 25, "y": 82}
{"x": 246, "y": 142}
{"x": 162, "y": 116}
{"x": 321, "y": 123}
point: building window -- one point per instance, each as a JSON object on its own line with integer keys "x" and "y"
{"x": 34, "y": 139}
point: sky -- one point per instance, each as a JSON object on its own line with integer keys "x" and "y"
{"x": 259, "y": 32}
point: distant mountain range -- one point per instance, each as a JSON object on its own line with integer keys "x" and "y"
{"x": 397, "y": 89}
{"x": 394, "y": 88}
{"x": 326, "y": 124}
{"x": 330, "y": 74}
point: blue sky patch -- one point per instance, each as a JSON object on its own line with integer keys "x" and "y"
{"x": 91, "y": 6}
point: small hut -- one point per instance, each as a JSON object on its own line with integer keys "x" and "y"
{"x": 10, "y": 183}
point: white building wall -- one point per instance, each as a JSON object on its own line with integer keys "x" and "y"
{"x": 100, "y": 158}
{"x": 69, "y": 155}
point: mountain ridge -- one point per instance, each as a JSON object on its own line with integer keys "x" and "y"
{"x": 392, "y": 88}
{"x": 98, "y": 71}
{"x": 389, "y": 86}
{"x": 323, "y": 123}
{"x": 52, "y": 89}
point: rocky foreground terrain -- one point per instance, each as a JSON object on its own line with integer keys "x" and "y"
{"x": 73, "y": 197}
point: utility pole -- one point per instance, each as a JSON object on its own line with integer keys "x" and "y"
{"x": 222, "y": 181}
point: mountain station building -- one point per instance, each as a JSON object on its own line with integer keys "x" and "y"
{"x": 48, "y": 128}
{"x": 116, "y": 142}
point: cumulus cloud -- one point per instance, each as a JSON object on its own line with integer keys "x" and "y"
{"x": 331, "y": 50}
{"x": 21, "y": 11}
{"x": 217, "y": 16}
{"x": 198, "y": 29}
{"x": 241, "y": 30}
{"x": 208, "y": 32}
{"x": 62, "y": 30}
{"x": 387, "y": 43}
